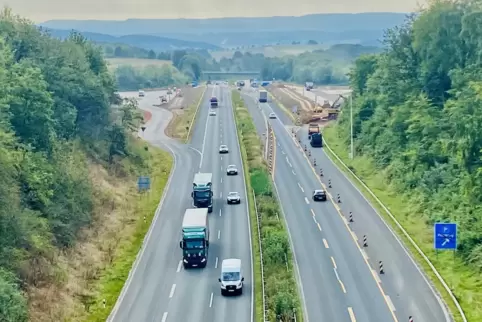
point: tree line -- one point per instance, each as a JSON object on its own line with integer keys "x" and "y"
{"x": 55, "y": 115}
{"x": 418, "y": 115}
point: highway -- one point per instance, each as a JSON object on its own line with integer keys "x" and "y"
{"x": 339, "y": 277}
{"x": 159, "y": 288}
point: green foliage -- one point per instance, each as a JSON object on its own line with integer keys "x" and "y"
{"x": 418, "y": 117}
{"x": 131, "y": 78}
{"x": 321, "y": 66}
{"x": 55, "y": 99}
{"x": 281, "y": 290}
{"x": 127, "y": 51}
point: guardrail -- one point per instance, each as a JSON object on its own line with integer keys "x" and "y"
{"x": 258, "y": 219}
{"x": 405, "y": 233}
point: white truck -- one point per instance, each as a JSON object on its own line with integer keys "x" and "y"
{"x": 195, "y": 238}
{"x": 263, "y": 96}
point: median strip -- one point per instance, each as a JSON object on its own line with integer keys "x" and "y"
{"x": 281, "y": 292}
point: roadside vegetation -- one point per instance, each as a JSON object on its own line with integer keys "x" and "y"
{"x": 184, "y": 113}
{"x": 70, "y": 218}
{"x": 417, "y": 126}
{"x": 280, "y": 284}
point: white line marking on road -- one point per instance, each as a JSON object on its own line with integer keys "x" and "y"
{"x": 376, "y": 276}
{"x": 319, "y": 227}
{"x": 173, "y": 288}
{"x": 219, "y": 234}
{"x": 221, "y": 158}
{"x": 221, "y": 195}
{"x": 314, "y": 219}
{"x": 355, "y": 237}
{"x": 179, "y": 266}
{"x": 325, "y": 243}
{"x": 221, "y": 180}
{"x": 200, "y": 153}
{"x": 211, "y": 300}
{"x": 302, "y": 190}
{"x": 293, "y": 172}
{"x": 334, "y": 263}
{"x": 164, "y": 317}
{"x": 390, "y": 303}
{"x": 219, "y": 212}
{"x": 307, "y": 201}
{"x": 312, "y": 212}
{"x": 364, "y": 254}
{"x": 287, "y": 160}
{"x": 216, "y": 264}
{"x": 279, "y": 145}
{"x": 352, "y": 315}
{"x": 221, "y": 168}
{"x": 283, "y": 152}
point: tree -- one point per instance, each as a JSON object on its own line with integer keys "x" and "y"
{"x": 151, "y": 54}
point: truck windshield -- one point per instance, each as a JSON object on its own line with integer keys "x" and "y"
{"x": 231, "y": 276}
{"x": 195, "y": 244}
{"x": 202, "y": 194}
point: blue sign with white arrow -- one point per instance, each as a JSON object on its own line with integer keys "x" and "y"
{"x": 445, "y": 236}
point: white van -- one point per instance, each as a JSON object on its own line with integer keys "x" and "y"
{"x": 231, "y": 277}
{"x": 142, "y": 94}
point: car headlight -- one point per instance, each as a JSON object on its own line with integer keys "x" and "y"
{"x": 239, "y": 285}
{"x": 199, "y": 254}
{"x": 188, "y": 255}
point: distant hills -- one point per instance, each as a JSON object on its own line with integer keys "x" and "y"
{"x": 148, "y": 42}
{"x": 362, "y": 28}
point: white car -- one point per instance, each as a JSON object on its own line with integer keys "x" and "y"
{"x": 212, "y": 113}
{"x": 223, "y": 149}
{"x": 231, "y": 170}
{"x": 272, "y": 115}
{"x": 142, "y": 94}
{"x": 233, "y": 197}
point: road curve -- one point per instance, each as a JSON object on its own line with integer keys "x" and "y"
{"x": 339, "y": 276}
{"x": 159, "y": 289}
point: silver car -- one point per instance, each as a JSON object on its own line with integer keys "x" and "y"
{"x": 231, "y": 170}
{"x": 212, "y": 113}
{"x": 272, "y": 115}
{"x": 233, "y": 197}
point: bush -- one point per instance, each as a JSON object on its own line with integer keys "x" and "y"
{"x": 282, "y": 296}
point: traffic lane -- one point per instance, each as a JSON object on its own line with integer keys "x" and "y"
{"x": 323, "y": 297}
{"x": 403, "y": 281}
{"x": 235, "y": 231}
{"x": 259, "y": 121}
{"x": 146, "y": 283}
{"x": 201, "y": 121}
{"x": 366, "y": 297}
{"x": 193, "y": 298}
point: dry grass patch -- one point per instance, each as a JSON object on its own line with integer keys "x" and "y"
{"x": 184, "y": 115}
{"x": 97, "y": 267}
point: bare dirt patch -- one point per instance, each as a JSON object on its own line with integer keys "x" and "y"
{"x": 183, "y": 110}
{"x": 147, "y": 116}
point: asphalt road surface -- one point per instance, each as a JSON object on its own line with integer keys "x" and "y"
{"x": 159, "y": 288}
{"x": 339, "y": 277}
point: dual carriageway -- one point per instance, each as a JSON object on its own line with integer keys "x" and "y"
{"x": 338, "y": 278}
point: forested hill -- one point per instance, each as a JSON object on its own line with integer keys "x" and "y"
{"x": 418, "y": 116}
{"x": 55, "y": 99}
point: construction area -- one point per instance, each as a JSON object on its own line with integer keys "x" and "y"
{"x": 320, "y": 105}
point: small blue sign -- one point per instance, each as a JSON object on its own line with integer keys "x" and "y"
{"x": 445, "y": 236}
{"x": 144, "y": 183}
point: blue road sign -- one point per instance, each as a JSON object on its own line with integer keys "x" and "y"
{"x": 144, "y": 183}
{"x": 445, "y": 236}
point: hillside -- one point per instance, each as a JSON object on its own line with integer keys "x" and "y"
{"x": 148, "y": 42}
{"x": 417, "y": 120}
{"x": 364, "y": 28}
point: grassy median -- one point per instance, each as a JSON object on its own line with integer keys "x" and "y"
{"x": 282, "y": 296}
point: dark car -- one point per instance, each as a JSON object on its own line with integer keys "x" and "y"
{"x": 319, "y": 195}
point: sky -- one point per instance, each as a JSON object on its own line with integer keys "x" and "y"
{"x": 42, "y": 10}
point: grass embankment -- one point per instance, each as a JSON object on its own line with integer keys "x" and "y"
{"x": 180, "y": 126}
{"x": 137, "y": 212}
{"x": 281, "y": 289}
{"x": 464, "y": 282}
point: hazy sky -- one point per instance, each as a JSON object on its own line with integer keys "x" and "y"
{"x": 42, "y": 10}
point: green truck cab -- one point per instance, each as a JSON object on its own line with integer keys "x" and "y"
{"x": 202, "y": 191}
{"x": 195, "y": 238}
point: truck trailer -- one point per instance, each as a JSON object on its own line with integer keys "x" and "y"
{"x": 195, "y": 238}
{"x": 263, "y": 96}
{"x": 202, "y": 191}
{"x": 313, "y": 128}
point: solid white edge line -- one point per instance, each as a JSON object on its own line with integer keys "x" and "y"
{"x": 247, "y": 212}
